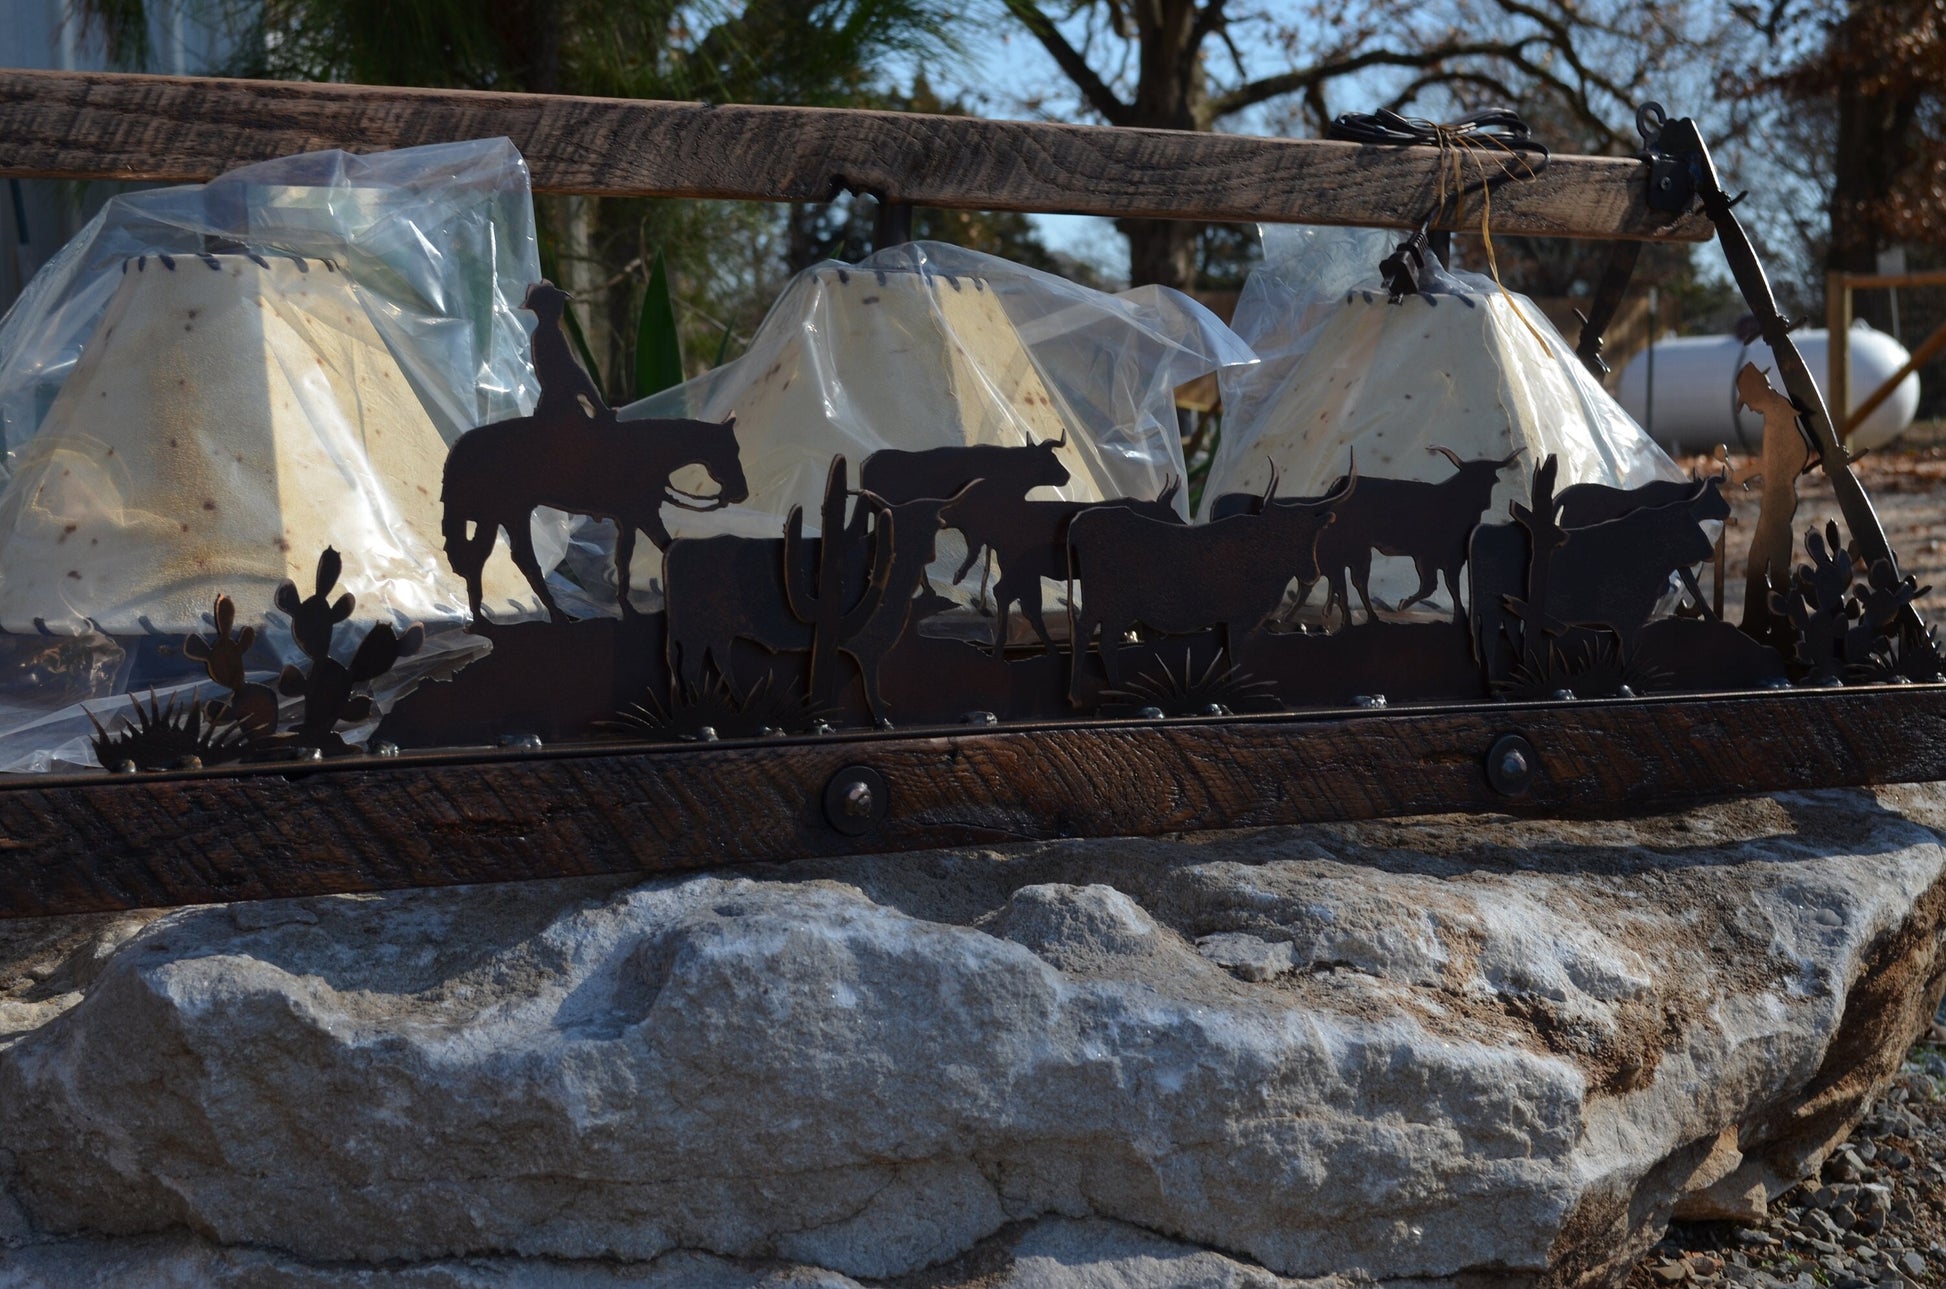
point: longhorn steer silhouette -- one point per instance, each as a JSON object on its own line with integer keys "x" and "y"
{"x": 1614, "y": 573}
{"x": 1587, "y": 504}
{"x": 900, "y": 475}
{"x": 1177, "y": 579}
{"x": 1429, "y": 523}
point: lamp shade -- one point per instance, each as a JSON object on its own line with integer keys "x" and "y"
{"x": 1479, "y": 372}
{"x": 230, "y": 417}
{"x": 853, "y": 360}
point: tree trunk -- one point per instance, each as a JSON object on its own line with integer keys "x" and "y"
{"x": 1170, "y": 94}
{"x": 1161, "y": 250}
{"x": 1876, "y": 144}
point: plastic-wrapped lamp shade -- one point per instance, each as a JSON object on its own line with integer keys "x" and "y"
{"x": 230, "y": 417}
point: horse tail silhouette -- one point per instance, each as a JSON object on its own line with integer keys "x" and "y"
{"x": 465, "y": 492}
{"x": 463, "y": 553}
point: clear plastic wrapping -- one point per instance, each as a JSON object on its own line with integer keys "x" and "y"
{"x": 1345, "y": 373}
{"x": 927, "y": 345}
{"x": 212, "y": 383}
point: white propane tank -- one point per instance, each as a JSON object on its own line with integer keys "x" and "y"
{"x": 1695, "y": 388}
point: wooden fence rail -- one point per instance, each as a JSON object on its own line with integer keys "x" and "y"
{"x": 116, "y": 126}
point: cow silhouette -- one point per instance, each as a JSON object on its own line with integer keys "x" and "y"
{"x": 899, "y": 475}
{"x": 573, "y": 455}
{"x": 1176, "y": 579}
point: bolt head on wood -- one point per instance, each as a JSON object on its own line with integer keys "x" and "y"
{"x": 1511, "y": 764}
{"x": 856, "y": 800}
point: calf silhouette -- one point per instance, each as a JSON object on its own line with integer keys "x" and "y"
{"x": 1229, "y": 573}
{"x": 1030, "y": 539}
{"x": 725, "y": 589}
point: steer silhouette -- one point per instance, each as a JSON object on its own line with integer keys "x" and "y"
{"x": 1229, "y": 573}
{"x": 1429, "y": 523}
{"x": 1614, "y": 573}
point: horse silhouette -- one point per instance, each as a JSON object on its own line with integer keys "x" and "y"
{"x": 497, "y": 474}
{"x": 573, "y": 454}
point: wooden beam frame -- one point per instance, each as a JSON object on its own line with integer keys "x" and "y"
{"x": 116, "y": 126}
{"x": 116, "y": 842}
{"x": 105, "y": 842}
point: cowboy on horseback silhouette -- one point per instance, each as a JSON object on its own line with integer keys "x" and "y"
{"x": 573, "y": 454}
{"x": 564, "y": 386}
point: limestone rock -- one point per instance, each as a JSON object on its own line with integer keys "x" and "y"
{"x": 1418, "y": 1052}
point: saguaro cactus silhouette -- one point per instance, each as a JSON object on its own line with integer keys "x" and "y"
{"x": 825, "y": 601}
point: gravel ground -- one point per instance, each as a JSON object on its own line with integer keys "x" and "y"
{"x": 1876, "y": 1216}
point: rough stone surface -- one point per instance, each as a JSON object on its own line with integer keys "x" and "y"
{"x": 1432, "y": 1052}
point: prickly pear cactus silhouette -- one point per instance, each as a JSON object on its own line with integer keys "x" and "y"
{"x": 1819, "y": 604}
{"x": 329, "y": 689}
{"x": 251, "y": 706}
{"x": 827, "y": 601}
{"x": 1884, "y": 644}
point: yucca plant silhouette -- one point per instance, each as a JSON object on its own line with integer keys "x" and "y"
{"x": 167, "y": 736}
{"x": 721, "y": 709}
{"x": 1220, "y": 689}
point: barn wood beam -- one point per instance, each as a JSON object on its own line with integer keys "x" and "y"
{"x": 185, "y": 129}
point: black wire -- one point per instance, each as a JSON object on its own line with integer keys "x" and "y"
{"x": 1498, "y": 131}
{"x": 1493, "y": 130}
{"x": 1501, "y": 124}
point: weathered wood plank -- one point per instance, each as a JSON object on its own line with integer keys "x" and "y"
{"x": 111, "y": 843}
{"x": 113, "y": 126}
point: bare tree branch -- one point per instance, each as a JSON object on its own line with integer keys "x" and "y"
{"x": 1268, "y": 87}
{"x": 1093, "y": 89}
